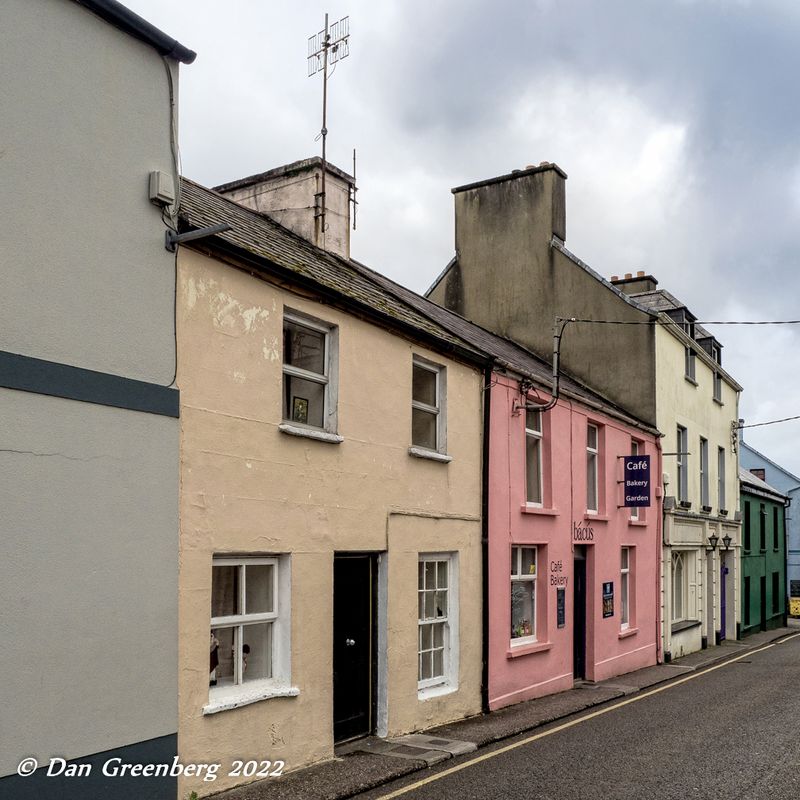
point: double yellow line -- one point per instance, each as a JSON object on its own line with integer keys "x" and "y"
{"x": 535, "y": 737}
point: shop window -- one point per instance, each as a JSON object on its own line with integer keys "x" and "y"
{"x": 437, "y": 620}
{"x": 776, "y": 592}
{"x": 249, "y": 648}
{"x": 523, "y": 595}
{"x": 684, "y": 585}
{"x": 624, "y": 587}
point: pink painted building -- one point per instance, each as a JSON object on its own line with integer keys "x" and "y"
{"x": 573, "y": 575}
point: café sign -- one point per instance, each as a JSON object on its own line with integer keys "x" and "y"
{"x": 637, "y": 481}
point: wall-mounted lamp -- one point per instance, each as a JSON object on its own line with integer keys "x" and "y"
{"x": 726, "y": 541}
{"x": 713, "y": 539}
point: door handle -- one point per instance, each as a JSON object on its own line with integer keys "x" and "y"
{"x": 349, "y": 642}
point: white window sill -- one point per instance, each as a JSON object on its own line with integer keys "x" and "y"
{"x": 310, "y": 433}
{"x": 626, "y": 632}
{"x": 440, "y": 689}
{"x": 526, "y": 648}
{"x": 228, "y": 698}
{"x": 432, "y": 455}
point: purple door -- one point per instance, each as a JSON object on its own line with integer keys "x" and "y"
{"x": 722, "y": 583}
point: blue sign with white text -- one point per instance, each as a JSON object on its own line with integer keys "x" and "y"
{"x": 637, "y": 481}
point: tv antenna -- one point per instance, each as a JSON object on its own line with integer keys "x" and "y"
{"x": 327, "y": 47}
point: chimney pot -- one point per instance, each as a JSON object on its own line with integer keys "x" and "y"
{"x": 614, "y": 278}
{"x": 640, "y": 273}
{"x": 531, "y": 166}
{"x": 628, "y": 275}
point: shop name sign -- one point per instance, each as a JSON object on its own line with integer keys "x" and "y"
{"x": 637, "y": 481}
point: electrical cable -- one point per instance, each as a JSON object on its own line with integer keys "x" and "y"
{"x": 771, "y": 422}
{"x": 671, "y": 322}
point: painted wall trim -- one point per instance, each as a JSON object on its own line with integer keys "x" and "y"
{"x": 28, "y": 374}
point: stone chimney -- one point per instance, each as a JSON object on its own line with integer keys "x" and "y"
{"x": 291, "y": 195}
{"x": 504, "y": 229}
{"x": 635, "y": 284}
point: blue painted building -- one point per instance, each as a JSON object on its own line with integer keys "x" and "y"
{"x": 788, "y": 484}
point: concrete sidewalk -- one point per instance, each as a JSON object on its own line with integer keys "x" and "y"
{"x": 371, "y": 762}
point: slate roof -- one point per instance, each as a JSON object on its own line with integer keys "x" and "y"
{"x": 748, "y": 479}
{"x": 258, "y": 235}
{"x": 283, "y": 252}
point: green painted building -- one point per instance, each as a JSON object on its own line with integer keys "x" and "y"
{"x": 763, "y": 555}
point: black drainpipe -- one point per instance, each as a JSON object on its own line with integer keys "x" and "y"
{"x": 487, "y": 394}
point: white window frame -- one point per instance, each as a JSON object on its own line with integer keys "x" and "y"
{"x": 721, "y": 477}
{"x": 683, "y": 464}
{"x": 517, "y": 576}
{"x": 593, "y": 466}
{"x": 705, "y": 499}
{"x": 625, "y": 588}
{"x": 328, "y": 378}
{"x": 448, "y": 681}
{"x": 534, "y": 438}
{"x": 240, "y": 693}
{"x": 439, "y": 410}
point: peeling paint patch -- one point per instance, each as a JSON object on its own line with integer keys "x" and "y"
{"x": 230, "y": 315}
{"x": 239, "y": 377}
{"x": 270, "y": 350}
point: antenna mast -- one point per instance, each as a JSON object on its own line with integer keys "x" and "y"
{"x": 329, "y": 46}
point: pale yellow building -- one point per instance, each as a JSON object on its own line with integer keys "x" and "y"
{"x": 330, "y": 536}
{"x": 697, "y": 405}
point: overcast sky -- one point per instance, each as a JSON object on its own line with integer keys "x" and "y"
{"x": 677, "y": 121}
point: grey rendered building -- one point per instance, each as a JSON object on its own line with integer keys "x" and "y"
{"x": 88, "y": 408}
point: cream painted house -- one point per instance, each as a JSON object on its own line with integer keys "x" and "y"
{"x": 697, "y": 404}
{"x": 330, "y": 545}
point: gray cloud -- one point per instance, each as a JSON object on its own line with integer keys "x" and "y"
{"x": 678, "y": 123}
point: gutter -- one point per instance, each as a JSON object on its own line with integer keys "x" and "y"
{"x": 125, "y": 20}
{"x": 487, "y": 397}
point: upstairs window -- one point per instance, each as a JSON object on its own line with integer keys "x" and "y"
{"x": 721, "y": 477}
{"x": 427, "y": 406}
{"x": 308, "y": 390}
{"x": 747, "y": 525}
{"x": 762, "y": 528}
{"x": 592, "y": 453}
{"x": 683, "y": 463}
{"x": 533, "y": 457}
{"x": 775, "y": 540}
{"x": 717, "y": 387}
{"x": 689, "y": 360}
{"x": 704, "y": 499}
{"x": 635, "y": 450}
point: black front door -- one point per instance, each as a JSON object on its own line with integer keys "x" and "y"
{"x": 353, "y": 645}
{"x": 579, "y": 616}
